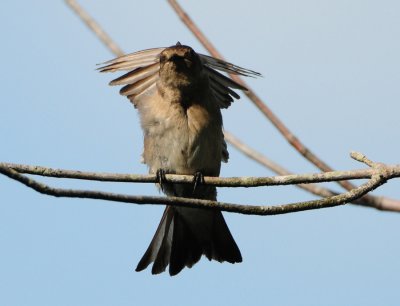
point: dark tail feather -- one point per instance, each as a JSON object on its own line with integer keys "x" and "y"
{"x": 178, "y": 242}
{"x": 224, "y": 247}
{"x": 185, "y": 249}
{"x": 159, "y": 248}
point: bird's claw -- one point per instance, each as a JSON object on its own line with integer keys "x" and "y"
{"x": 198, "y": 179}
{"x": 160, "y": 177}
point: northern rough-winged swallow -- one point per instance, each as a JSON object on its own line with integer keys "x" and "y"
{"x": 179, "y": 96}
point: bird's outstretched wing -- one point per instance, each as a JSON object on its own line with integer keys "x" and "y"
{"x": 143, "y": 67}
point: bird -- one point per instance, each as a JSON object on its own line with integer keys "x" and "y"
{"x": 179, "y": 94}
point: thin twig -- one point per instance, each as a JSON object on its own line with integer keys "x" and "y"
{"x": 380, "y": 174}
{"x": 95, "y": 27}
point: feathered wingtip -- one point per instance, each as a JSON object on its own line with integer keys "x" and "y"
{"x": 220, "y": 84}
{"x": 143, "y": 67}
{"x": 224, "y": 66}
{"x": 132, "y": 61}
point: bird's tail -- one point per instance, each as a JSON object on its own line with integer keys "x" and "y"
{"x": 184, "y": 235}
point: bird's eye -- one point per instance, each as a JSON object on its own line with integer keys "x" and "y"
{"x": 163, "y": 58}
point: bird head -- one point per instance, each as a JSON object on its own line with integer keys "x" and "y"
{"x": 180, "y": 62}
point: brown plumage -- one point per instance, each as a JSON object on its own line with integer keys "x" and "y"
{"x": 179, "y": 96}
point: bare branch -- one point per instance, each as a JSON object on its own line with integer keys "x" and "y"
{"x": 95, "y": 27}
{"x": 290, "y": 179}
{"x": 378, "y": 174}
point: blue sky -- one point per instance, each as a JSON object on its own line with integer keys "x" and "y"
{"x": 331, "y": 73}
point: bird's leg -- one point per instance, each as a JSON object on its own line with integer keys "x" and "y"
{"x": 198, "y": 179}
{"x": 160, "y": 177}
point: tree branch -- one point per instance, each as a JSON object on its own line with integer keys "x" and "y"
{"x": 378, "y": 174}
{"x": 95, "y": 27}
{"x": 291, "y": 179}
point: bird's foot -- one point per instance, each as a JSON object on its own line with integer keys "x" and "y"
{"x": 198, "y": 179}
{"x": 160, "y": 177}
